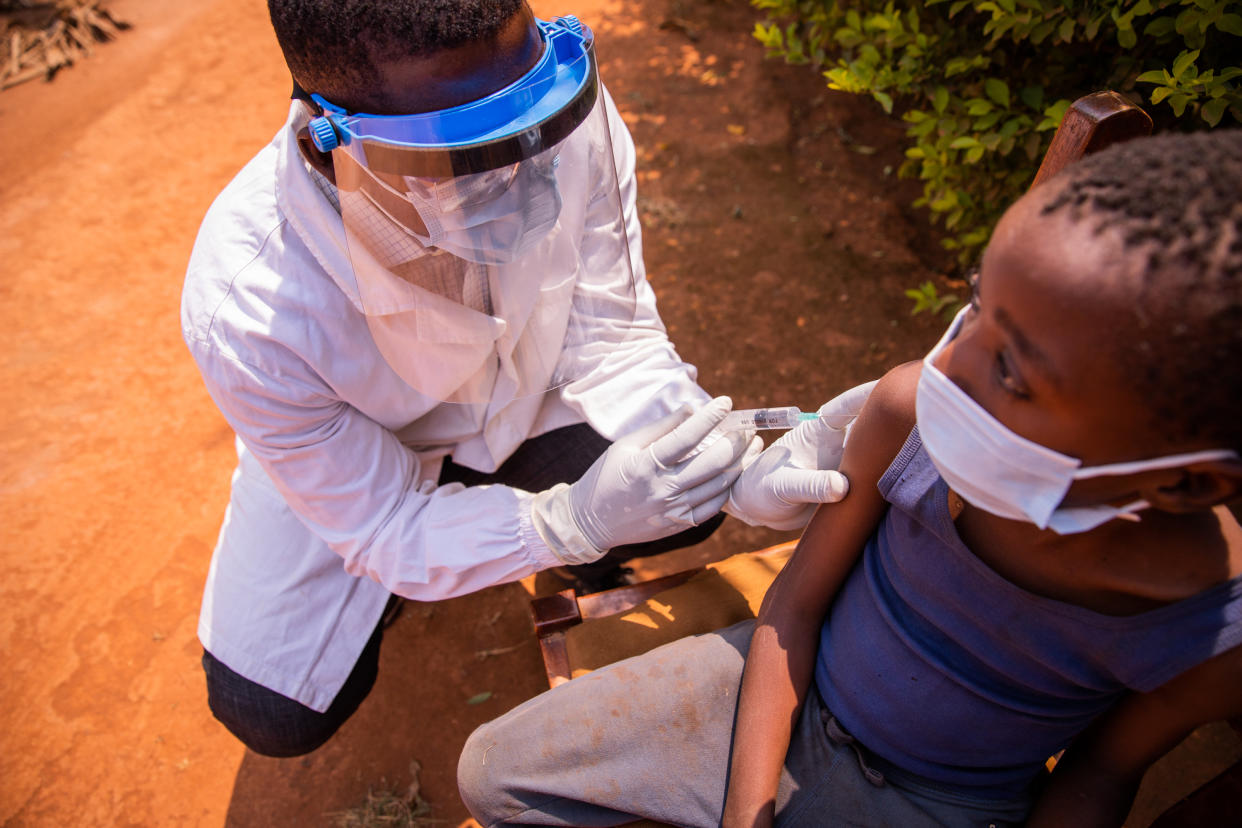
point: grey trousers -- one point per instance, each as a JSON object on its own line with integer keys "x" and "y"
{"x": 650, "y": 737}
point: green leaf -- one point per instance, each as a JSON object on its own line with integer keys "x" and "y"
{"x": 886, "y": 101}
{"x": 1184, "y": 61}
{"x": 1127, "y": 38}
{"x": 1159, "y": 27}
{"x": 963, "y": 142}
{"x": 1213, "y": 111}
{"x": 1041, "y": 32}
{"x": 940, "y": 99}
{"x": 1011, "y": 127}
{"x": 1066, "y": 29}
{"x": 927, "y": 298}
{"x": 1057, "y": 110}
{"x": 1154, "y": 76}
{"x": 1032, "y": 96}
{"x": 1187, "y": 21}
{"x": 479, "y": 698}
{"x": 978, "y": 106}
{"x": 975, "y": 153}
{"x": 1231, "y": 23}
{"x": 988, "y": 121}
{"x": 997, "y": 90}
{"x": 955, "y": 66}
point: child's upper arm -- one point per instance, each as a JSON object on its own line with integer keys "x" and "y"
{"x": 881, "y": 429}
{"x": 838, "y": 531}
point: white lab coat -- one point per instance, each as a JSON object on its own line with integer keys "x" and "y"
{"x": 334, "y": 501}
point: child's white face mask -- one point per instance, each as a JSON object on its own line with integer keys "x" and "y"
{"x": 1003, "y": 473}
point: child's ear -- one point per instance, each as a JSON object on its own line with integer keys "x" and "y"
{"x": 321, "y": 161}
{"x": 1202, "y": 485}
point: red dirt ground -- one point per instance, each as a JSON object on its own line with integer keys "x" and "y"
{"x": 778, "y": 241}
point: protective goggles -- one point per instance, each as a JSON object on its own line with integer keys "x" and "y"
{"x": 522, "y": 120}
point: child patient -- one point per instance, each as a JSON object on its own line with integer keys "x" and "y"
{"x": 1035, "y": 556}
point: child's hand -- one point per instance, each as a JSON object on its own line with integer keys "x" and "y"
{"x": 798, "y": 472}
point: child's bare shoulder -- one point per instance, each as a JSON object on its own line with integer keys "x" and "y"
{"x": 890, "y": 408}
{"x": 885, "y": 421}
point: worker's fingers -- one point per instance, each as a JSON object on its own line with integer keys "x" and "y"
{"x": 677, "y": 443}
{"x": 841, "y": 410}
{"x": 809, "y": 485}
{"x": 724, "y": 455}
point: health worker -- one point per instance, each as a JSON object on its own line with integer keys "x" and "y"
{"x": 422, "y": 309}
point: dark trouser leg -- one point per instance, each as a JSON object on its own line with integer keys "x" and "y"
{"x": 275, "y": 725}
{"x": 562, "y": 456}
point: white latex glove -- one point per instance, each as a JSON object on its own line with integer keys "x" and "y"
{"x": 798, "y": 472}
{"x": 647, "y": 485}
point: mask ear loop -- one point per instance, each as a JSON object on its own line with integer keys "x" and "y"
{"x": 434, "y": 228}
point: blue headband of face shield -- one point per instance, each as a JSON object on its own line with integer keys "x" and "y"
{"x": 530, "y": 115}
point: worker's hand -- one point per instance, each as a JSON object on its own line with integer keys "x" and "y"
{"x": 652, "y": 483}
{"x": 799, "y": 471}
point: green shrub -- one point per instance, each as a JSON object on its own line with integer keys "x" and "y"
{"x": 982, "y": 84}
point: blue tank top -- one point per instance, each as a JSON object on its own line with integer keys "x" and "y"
{"x": 946, "y": 670}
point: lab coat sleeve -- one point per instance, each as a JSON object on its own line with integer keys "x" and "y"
{"x": 641, "y": 378}
{"x": 353, "y": 484}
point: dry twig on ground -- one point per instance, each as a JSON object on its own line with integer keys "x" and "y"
{"x": 387, "y": 809}
{"x": 37, "y": 39}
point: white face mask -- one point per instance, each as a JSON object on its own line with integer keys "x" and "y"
{"x": 1006, "y": 474}
{"x": 489, "y": 218}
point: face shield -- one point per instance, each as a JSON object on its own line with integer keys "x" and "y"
{"x": 488, "y": 241}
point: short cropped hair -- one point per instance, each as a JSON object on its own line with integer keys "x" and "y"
{"x": 328, "y": 44}
{"x": 1176, "y": 202}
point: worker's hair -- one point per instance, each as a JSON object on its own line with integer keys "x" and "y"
{"x": 1175, "y": 202}
{"x": 328, "y": 44}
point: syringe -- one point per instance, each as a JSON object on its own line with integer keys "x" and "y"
{"x": 765, "y": 418}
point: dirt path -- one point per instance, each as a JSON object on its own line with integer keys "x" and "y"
{"x": 776, "y": 240}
